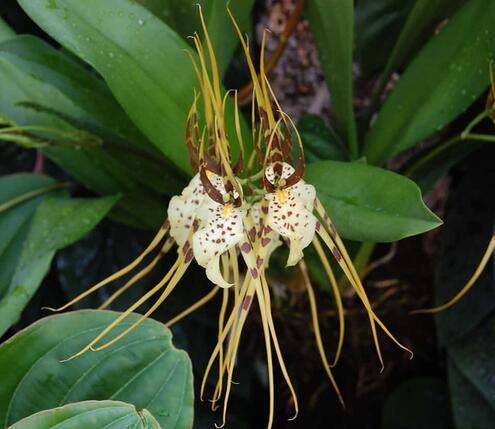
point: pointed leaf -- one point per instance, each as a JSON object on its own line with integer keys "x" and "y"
{"x": 332, "y": 24}
{"x": 141, "y": 58}
{"x": 449, "y": 73}
{"x": 35, "y": 73}
{"x": 368, "y": 203}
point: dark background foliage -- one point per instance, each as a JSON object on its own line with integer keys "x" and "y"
{"x": 451, "y": 375}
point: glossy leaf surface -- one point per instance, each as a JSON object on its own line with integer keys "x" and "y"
{"x": 368, "y": 203}
{"x": 32, "y": 230}
{"x": 449, "y": 73}
{"x": 90, "y": 414}
{"x": 143, "y": 369}
{"x": 332, "y": 24}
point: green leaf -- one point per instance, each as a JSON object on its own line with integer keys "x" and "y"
{"x": 422, "y": 19}
{"x": 421, "y": 402}
{"x": 143, "y": 369}
{"x": 183, "y": 17}
{"x": 332, "y": 24}
{"x": 34, "y": 73}
{"x": 5, "y": 31}
{"x": 31, "y": 231}
{"x": 83, "y": 415}
{"x": 378, "y": 24}
{"x": 22, "y": 193}
{"x": 91, "y": 101}
{"x": 368, "y": 203}
{"x": 471, "y": 369}
{"x": 442, "y": 81}
{"x": 320, "y": 142}
{"x": 140, "y": 57}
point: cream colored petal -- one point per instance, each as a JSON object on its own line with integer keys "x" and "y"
{"x": 303, "y": 191}
{"x": 222, "y": 231}
{"x": 182, "y": 210}
{"x": 289, "y": 217}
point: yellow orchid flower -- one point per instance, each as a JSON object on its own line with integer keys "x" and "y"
{"x": 226, "y": 213}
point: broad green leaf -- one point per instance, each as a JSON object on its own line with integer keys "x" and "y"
{"x": 33, "y": 72}
{"x": 90, "y": 414}
{"x": 332, "y": 24}
{"x": 378, "y": 24}
{"x": 449, "y": 73}
{"x": 182, "y": 16}
{"x": 422, "y": 19}
{"x": 5, "y": 31}
{"x": 320, "y": 141}
{"x": 468, "y": 228}
{"x": 368, "y": 203}
{"x": 32, "y": 231}
{"x": 471, "y": 372}
{"x": 23, "y": 192}
{"x": 140, "y": 57}
{"x": 91, "y": 100}
{"x": 421, "y": 402}
{"x": 143, "y": 369}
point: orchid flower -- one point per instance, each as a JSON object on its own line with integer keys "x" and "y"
{"x": 228, "y": 214}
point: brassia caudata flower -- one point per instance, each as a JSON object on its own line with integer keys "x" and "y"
{"x": 237, "y": 209}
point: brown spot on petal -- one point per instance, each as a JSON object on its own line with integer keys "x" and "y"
{"x": 166, "y": 224}
{"x": 265, "y": 241}
{"x": 259, "y": 261}
{"x": 254, "y": 273}
{"x": 336, "y": 254}
{"x": 252, "y": 233}
{"x": 332, "y": 230}
{"x": 318, "y": 226}
{"x": 247, "y": 302}
{"x": 189, "y": 256}
{"x": 245, "y": 247}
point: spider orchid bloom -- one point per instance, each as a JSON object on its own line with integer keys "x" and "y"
{"x": 205, "y": 221}
{"x": 227, "y": 214}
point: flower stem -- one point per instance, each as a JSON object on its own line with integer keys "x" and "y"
{"x": 465, "y": 135}
{"x": 476, "y": 120}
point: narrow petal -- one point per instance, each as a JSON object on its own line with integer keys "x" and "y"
{"x": 271, "y": 238}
